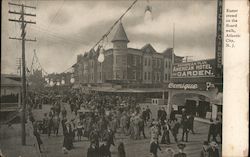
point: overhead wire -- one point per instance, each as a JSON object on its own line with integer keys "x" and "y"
{"x": 66, "y": 40}
{"x": 112, "y": 27}
{"x": 78, "y": 39}
{"x": 58, "y": 10}
{"x": 105, "y": 36}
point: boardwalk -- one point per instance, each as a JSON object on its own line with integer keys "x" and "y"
{"x": 134, "y": 148}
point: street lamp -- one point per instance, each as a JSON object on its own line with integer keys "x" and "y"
{"x": 62, "y": 82}
{"x": 72, "y": 80}
{"x": 51, "y": 83}
{"x": 101, "y": 55}
{"x": 58, "y": 83}
{"x": 47, "y": 79}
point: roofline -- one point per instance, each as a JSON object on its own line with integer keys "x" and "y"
{"x": 120, "y": 40}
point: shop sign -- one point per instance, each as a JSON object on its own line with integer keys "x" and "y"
{"x": 182, "y": 86}
{"x": 197, "y": 69}
{"x": 192, "y": 86}
{"x": 209, "y": 85}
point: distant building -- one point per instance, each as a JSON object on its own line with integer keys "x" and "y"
{"x": 62, "y": 79}
{"x": 128, "y": 67}
{"x": 10, "y": 92}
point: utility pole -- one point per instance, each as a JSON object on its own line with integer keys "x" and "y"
{"x": 19, "y": 64}
{"x": 23, "y": 22}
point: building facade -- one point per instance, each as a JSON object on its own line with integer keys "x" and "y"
{"x": 143, "y": 67}
{"x": 150, "y": 74}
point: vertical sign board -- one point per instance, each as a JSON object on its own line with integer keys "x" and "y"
{"x": 219, "y": 44}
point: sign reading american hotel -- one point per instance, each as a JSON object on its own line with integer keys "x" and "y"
{"x": 196, "y": 69}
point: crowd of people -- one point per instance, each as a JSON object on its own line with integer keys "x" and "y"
{"x": 99, "y": 118}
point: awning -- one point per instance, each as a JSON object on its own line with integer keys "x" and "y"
{"x": 127, "y": 90}
{"x": 76, "y": 86}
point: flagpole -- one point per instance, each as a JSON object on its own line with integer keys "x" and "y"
{"x": 173, "y": 44}
{"x": 172, "y": 62}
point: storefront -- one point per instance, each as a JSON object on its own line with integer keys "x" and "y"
{"x": 194, "y": 87}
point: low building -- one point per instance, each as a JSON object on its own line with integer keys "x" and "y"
{"x": 10, "y": 92}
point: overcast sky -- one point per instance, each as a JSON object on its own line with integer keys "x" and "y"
{"x": 64, "y": 29}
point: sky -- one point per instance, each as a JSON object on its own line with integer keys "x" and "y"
{"x": 66, "y": 28}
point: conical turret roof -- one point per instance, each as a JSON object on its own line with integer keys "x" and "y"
{"x": 120, "y": 34}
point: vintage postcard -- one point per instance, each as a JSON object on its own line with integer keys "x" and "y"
{"x": 124, "y": 78}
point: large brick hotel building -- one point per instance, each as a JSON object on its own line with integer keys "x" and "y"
{"x": 145, "y": 73}
{"x": 128, "y": 67}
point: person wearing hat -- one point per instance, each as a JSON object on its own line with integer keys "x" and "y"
{"x": 121, "y": 150}
{"x": 163, "y": 115}
{"x": 191, "y": 123}
{"x": 159, "y": 114}
{"x": 185, "y": 129}
{"x": 93, "y": 150}
{"x": 213, "y": 151}
{"x": 63, "y": 123}
{"x": 68, "y": 142}
{"x": 165, "y": 136}
{"x": 175, "y": 129}
{"x": 94, "y": 136}
{"x": 212, "y": 131}
{"x": 180, "y": 153}
{"x": 104, "y": 149}
{"x": 45, "y": 123}
{"x": 154, "y": 146}
{"x": 219, "y": 127}
{"x": 141, "y": 126}
{"x": 172, "y": 115}
{"x": 204, "y": 151}
{"x": 148, "y": 113}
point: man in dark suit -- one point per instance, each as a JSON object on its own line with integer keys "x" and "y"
{"x": 68, "y": 142}
{"x": 191, "y": 123}
{"x": 212, "y": 131}
{"x": 93, "y": 150}
{"x": 172, "y": 115}
{"x": 94, "y": 136}
{"x": 185, "y": 129}
{"x": 154, "y": 146}
{"x": 104, "y": 149}
{"x": 175, "y": 129}
{"x": 163, "y": 115}
{"x": 159, "y": 114}
{"x": 148, "y": 113}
